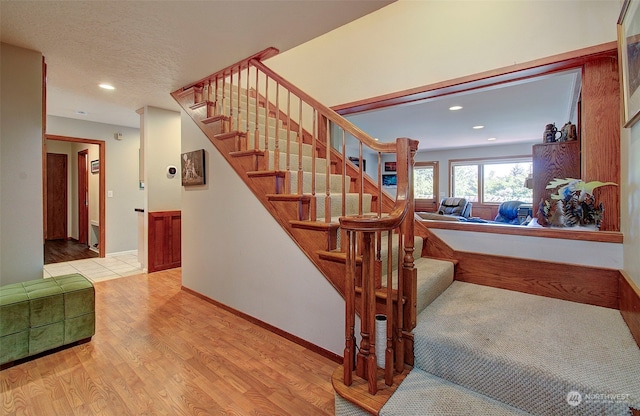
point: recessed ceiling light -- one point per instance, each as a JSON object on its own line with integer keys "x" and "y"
{"x": 491, "y": 139}
{"x": 107, "y": 87}
{"x": 81, "y": 113}
{"x": 478, "y": 127}
{"x": 455, "y": 108}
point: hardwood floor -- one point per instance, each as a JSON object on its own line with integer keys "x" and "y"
{"x": 58, "y": 251}
{"x": 160, "y": 350}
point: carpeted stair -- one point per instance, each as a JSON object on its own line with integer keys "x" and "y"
{"x": 482, "y": 350}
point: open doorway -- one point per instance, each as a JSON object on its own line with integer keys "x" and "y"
{"x": 74, "y": 198}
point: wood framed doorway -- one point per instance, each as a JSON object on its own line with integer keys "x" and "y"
{"x": 101, "y": 181}
{"x": 83, "y": 197}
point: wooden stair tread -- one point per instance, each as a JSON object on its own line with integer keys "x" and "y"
{"x": 358, "y": 392}
{"x": 288, "y": 197}
{"x": 266, "y": 173}
{"x": 200, "y": 104}
{"x": 244, "y": 153}
{"x": 213, "y": 119}
{"x": 229, "y": 135}
{"x": 314, "y": 225}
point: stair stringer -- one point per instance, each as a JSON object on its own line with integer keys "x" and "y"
{"x": 283, "y": 210}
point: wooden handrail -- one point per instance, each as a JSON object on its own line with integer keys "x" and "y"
{"x": 327, "y": 112}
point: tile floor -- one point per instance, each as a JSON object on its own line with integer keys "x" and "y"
{"x": 97, "y": 269}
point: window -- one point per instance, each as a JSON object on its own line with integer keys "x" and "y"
{"x": 491, "y": 181}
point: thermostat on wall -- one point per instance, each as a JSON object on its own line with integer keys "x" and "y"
{"x": 171, "y": 171}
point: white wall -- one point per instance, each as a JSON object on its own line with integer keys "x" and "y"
{"x": 122, "y": 176}
{"x": 233, "y": 251}
{"x": 161, "y": 136}
{"x": 21, "y": 229}
{"x": 585, "y": 253}
{"x": 413, "y": 43}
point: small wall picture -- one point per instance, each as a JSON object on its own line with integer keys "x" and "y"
{"x": 389, "y": 180}
{"x": 95, "y": 166}
{"x": 193, "y": 169}
{"x": 356, "y": 161}
{"x": 389, "y": 166}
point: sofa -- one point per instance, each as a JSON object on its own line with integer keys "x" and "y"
{"x": 43, "y": 314}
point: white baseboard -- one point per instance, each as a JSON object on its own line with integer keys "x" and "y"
{"x": 123, "y": 253}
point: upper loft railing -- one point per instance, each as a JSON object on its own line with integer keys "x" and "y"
{"x": 310, "y": 148}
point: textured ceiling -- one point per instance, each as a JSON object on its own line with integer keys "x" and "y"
{"x": 147, "y": 49}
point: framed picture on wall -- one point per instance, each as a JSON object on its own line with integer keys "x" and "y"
{"x": 193, "y": 168}
{"x": 95, "y": 166}
{"x": 629, "y": 48}
{"x": 356, "y": 161}
{"x": 389, "y": 166}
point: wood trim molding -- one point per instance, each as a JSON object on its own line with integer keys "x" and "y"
{"x": 564, "y": 233}
{"x": 516, "y": 72}
{"x": 582, "y": 284}
{"x": 630, "y": 304}
{"x": 102, "y": 179}
{"x": 286, "y": 335}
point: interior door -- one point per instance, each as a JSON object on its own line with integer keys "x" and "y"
{"x": 56, "y": 196}
{"x": 83, "y": 197}
{"x": 425, "y": 180}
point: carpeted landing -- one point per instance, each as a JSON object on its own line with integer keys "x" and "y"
{"x": 482, "y": 350}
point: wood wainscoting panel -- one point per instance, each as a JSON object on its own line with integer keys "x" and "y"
{"x": 590, "y": 285}
{"x": 630, "y": 305}
{"x": 164, "y": 240}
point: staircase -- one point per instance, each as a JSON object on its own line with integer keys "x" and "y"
{"x": 451, "y": 347}
{"x": 296, "y": 155}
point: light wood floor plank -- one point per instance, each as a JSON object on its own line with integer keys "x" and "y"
{"x": 161, "y": 350}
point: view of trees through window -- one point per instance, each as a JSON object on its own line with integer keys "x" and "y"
{"x": 423, "y": 182}
{"x": 497, "y": 181}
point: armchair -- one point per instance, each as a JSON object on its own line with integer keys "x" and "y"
{"x": 459, "y": 207}
{"x": 508, "y": 212}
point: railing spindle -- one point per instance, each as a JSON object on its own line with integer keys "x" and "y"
{"x": 314, "y": 151}
{"x": 288, "y": 161}
{"x": 300, "y": 141}
{"x": 344, "y": 173}
{"x": 350, "y": 309}
{"x": 361, "y": 176}
{"x": 276, "y": 150}
{"x": 327, "y": 176}
{"x": 388, "y": 354}
{"x": 238, "y": 112}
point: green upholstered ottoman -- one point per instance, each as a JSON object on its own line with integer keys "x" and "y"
{"x": 79, "y": 307}
{"x": 14, "y": 323}
{"x": 43, "y": 314}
